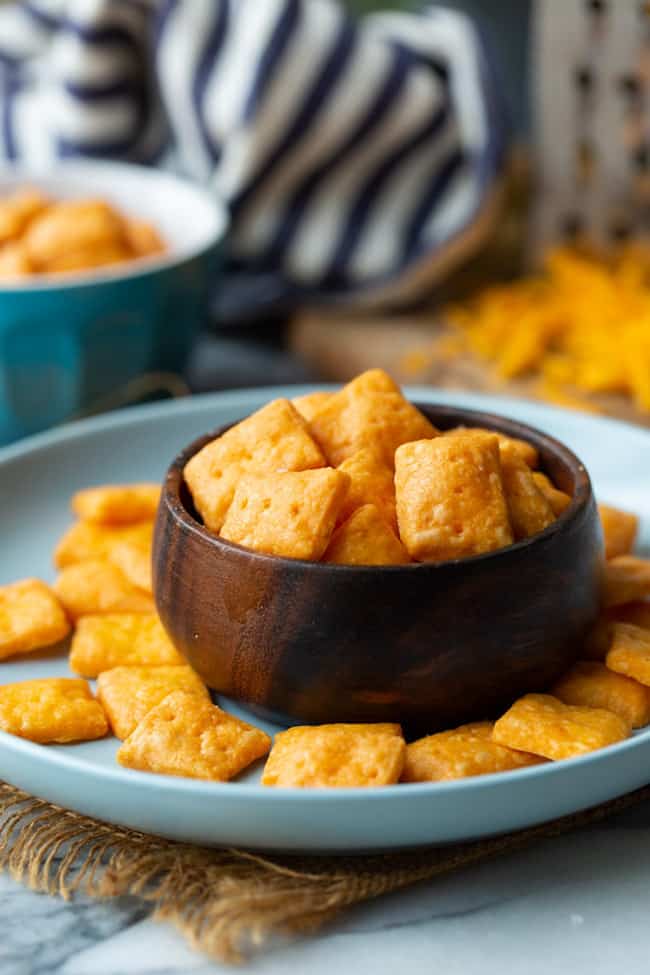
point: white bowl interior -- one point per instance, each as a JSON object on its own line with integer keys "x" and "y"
{"x": 189, "y": 217}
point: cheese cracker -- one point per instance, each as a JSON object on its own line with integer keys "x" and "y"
{"x": 129, "y": 693}
{"x": 31, "y": 617}
{"x": 336, "y": 755}
{"x": 187, "y": 735}
{"x": 120, "y": 640}
{"x": 543, "y": 725}
{"x": 51, "y": 709}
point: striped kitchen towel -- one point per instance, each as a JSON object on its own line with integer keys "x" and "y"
{"x": 359, "y": 159}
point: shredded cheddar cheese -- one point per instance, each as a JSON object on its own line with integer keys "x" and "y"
{"x": 582, "y": 326}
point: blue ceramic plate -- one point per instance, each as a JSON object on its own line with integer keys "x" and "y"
{"x": 36, "y": 480}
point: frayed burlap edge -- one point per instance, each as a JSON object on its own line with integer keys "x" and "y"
{"x": 227, "y": 902}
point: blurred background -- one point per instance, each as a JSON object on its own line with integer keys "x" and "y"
{"x": 548, "y": 297}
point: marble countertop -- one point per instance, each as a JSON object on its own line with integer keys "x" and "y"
{"x": 575, "y": 904}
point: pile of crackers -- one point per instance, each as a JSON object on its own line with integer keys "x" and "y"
{"x": 362, "y": 477}
{"x": 100, "y": 610}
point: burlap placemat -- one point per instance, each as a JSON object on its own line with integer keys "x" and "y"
{"x": 228, "y": 902}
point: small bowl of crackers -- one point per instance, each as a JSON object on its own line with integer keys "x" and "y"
{"x": 104, "y": 276}
{"x": 355, "y": 557}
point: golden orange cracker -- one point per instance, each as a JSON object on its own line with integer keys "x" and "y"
{"x": 629, "y": 652}
{"x": 290, "y": 514}
{"x": 356, "y": 417}
{"x": 104, "y": 642}
{"x": 72, "y": 227}
{"x": 508, "y": 446}
{"x": 309, "y": 404}
{"x": 627, "y": 580}
{"x": 187, "y": 735}
{"x": 274, "y": 438}
{"x": 366, "y": 538}
{"x": 142, "y": 238}
{"x": 619, "y": 530}
{"x": 558, "y": 500}
{"x": 51, "y": 709}
{"x": 99, "y": 587}
{"x": 372, "y": 381}
{"x": 530, "y": 512}
{"x": 133, "y": 556}
{"x": 85, "y": 541}
{"x": 14, "y": 263}
{"x": 117, "y": 504}
{"x": 450, "y": 500}
{"x": 336, "y": 755}
{"x": 458, "y": 754}
{"x": 129, "y": 693}
{"x": 18, "y": 210}
{"x": 371, "y": 482}
{"x": 31, "y": 617}
{"x": 593, "y": 685}
{"x": 543, "y": 725}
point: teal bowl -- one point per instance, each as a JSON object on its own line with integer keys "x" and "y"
{"x": 68, "y": 341}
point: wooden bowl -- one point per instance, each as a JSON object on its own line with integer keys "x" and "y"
{"x": 430, "y": 645}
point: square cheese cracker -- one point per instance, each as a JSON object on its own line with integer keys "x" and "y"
{"x": 187, "y": 735}
{"x": 101, "y": 642}
{"x": 591, "y": 684}
{"x": 450, "y": 499}
{"x": 366, "y": 538}
{"x": 117, "y": 504}
{"x": 336, "y": 755}
{"x": 129, "y": 693}
{"x": 460, "y": 753}
{"x": 274, "y": 438}
{"x": 362, "y": 415}
{"x": 292, "y": 514}
{"x": 51, "y": 709}
{"x": 99, "y": 587}
{"x": 31, "y": 617}
{"x": 543, "y": 725}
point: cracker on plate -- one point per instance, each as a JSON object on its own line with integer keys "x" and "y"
{"x": 187, "y": 735}
{"x": 117, "y": 504}
{"x": 629, "y": 651}
{"x": 129, "y": 693}
{"x": 85, "y": 541}
{"x": 133, "y": 556}
{"x": 336, "y": 755}
{"x": 627, "y": 579}
{"x": 543, "y": 725}
{"x": 591, "y": 684}
{"x": 51, "y": 709}
{"x": 99, "y": 587}
{"x": 31, "y": 617}
{"x": 102, "y": 642}
{"x": 460, "y": 753}
{"x": 619, "y": 530}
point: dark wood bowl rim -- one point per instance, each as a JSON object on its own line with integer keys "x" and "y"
{"x": 465, "y": 417}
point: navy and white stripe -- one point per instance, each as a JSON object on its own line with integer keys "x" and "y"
{"x": 353, "y": 156}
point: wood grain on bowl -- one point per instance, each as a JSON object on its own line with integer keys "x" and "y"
{"x": 428, "y": 645}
